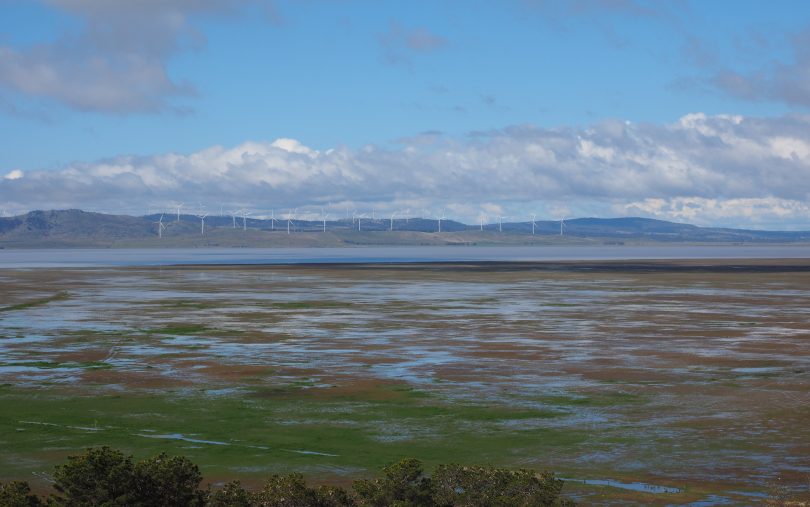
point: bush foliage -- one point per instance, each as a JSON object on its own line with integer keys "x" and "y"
{"x": 106, "y": 477}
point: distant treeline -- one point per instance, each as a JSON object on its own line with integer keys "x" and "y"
{"x": 106, "y": 477}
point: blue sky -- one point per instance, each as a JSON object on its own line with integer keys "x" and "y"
{"x": 105, "y": 98}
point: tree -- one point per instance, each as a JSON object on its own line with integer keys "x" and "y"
{"x": 167, "y": 480}
{"x": 403, "y": 485}
{"x": 472, "y": 486}
{"x": 18, "y": 494}
{"x": 230, "y": 495}
{"x": 100, "y": 476}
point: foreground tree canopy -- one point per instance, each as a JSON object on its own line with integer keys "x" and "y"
{"x": 106, "y": 477}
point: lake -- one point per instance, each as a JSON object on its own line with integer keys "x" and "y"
{"x": 101, "y": 257}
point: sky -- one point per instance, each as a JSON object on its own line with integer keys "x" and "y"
{"x": 681, "y": 110}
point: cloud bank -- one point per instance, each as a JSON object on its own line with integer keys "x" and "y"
{"x": 718, "y": 170}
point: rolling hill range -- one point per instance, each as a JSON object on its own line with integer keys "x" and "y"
{"x": 76, "y": 228}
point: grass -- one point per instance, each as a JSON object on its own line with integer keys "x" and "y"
{"x": 60, "y": 296}
{"x": 39, "y": 428}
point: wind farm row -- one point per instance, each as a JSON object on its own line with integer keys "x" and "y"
{"x": 292, "y": 221}
{"x": 177, "y": 228}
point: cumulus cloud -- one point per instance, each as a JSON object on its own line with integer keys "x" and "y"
{"x": 731, "y": 169}
{"x": 116, "y": 62}
{"x": 14, "y": 175}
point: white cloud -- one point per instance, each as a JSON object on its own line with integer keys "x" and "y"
{"x": 116, "y": 62}
{"x": 14, "y": 175}
{"x": 708, "y": 169}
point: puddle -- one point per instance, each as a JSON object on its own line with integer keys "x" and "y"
{"x": 632, "y": 486}
{"x": 180, "y": 436}
{"x": 315, "y": 453}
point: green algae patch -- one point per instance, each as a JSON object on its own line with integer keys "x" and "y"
{"x": 179, "y": 329}
{"x": 60, "y": 296}
{"x": 309, "y": 305}
{"x": 52, "y": 365}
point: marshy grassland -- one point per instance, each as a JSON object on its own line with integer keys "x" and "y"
{"x": 641, "y": 383}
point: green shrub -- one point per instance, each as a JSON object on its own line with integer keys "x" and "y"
{"x": 473, "y": 486}
{"x": 18, "y": 494}
{"x": 230, "y": 495}
{"x": 403, "y": 485}
{"x": 100, "y": 476}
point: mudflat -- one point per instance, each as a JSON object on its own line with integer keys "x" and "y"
{"x": 652, "y": 382}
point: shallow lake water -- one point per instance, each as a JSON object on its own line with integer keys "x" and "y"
{"x": 96, "y": 257}
{"x": 657, "y": 383}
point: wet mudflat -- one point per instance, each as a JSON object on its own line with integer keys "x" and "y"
{"x": 648, "y": 383}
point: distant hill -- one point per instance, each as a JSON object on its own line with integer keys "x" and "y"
{"x": 76, "y": 228}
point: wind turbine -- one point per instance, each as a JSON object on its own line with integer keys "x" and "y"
{"x": 202, "y": 216}
{"x": 273, "y": 220}
{"x": 392, "y": 221}
{"x": 534, "y": 224}
{"x": 359, "y": 217}
{"x": 233, "y": 217}
{"x": 481, "y": 221}
{"x": 245, "y": 213}
{"x": 178, "y": 206}
{"x": 324, "y": 217}
{"x": 160, "y": 225}
{"x": 439, "y": 219}
{"x": 500, "y": 223}
{"x": 562, "y": 224}
{"x": 290, "y": 218}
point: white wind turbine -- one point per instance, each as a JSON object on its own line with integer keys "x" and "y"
{"x": 534, "y": 224}
{"x": 439, "y": 220}
{"x": 562, "y": 224}
{"x": 324, "y": 217}
{"x": 244, "y": 213}
{"x": 290, "y": 218}
{"x": 500, "y": 222}
{"x": 273, "y": 220}
{"x": 391, "y": 228}
{"x": 359, "y": 218}
{"x": 233, "y": 217}
{"x": 177, "y": 207}
{"x": 481, "y": 218}
{"x": 202, "y": 216}
{"x": 161, "y": 226}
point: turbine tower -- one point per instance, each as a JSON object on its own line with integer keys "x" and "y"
{"x": 161, "y": 226}
{"x": 324, "y": 217}
{"x": 534, "y": 224}
{"x": 202, "y": 216}
{"x": 359, "y": 217}
{"x": 562, "y": 224}
{"x": 290, "y": 218}
{"x": 500, "y": 223}
{"x": 439, "y": 219}
{"x": 244, "y": 213}
{"x": 178, "y": 206}
{"x": 391, "y": 228}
